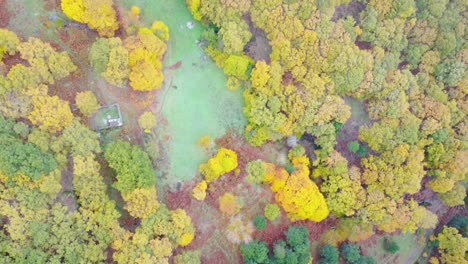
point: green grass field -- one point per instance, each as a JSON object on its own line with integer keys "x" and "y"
{"x": 201, "y": 104}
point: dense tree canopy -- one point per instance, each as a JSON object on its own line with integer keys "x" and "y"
{"x": 132, "y": 166}
{"x": 99, "y": 15}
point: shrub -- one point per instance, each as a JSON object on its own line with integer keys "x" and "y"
{"x": 362, "y": 152}
{"x": 256, "y": 171}
{"x": 391, "y": 246}
{"x": 228, "y": 204}
{"x": 366, "y": 260}
{"x": 260, "y": 222}
{"x": 353, "y": 146}
{"x": 272, "y": 211}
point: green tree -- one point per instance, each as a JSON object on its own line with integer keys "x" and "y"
{"x": 351, "y": 252}
{"x": 450, "y": 72}
{"x": 18, "y": 157}
{"x": 391, "y": 246}
{"x": 353, "y": 146}
{"x": 260, "y": 222}
{"x": 188, "y": 257}
{"x": 329, "y": 255}
{"x": 254, "y": 252}
{"x": 78, "y": 140}
{"x": 132, "y": 166}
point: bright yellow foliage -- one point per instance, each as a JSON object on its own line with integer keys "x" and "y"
{"x": 194, "y": 7}
{"x": 296, "y": 193}
{"x": 74, "y": 9}
{"x": 145, "y": 77}
{"x": 50, "y": 113}
{"x": 199, "y": 192}
{"x": 233, "y": 83}
{"x": 141, "y": 203}
{"x": 99, "y": 15}
{"x": 145, "y": 54}
{"x": 135, "y": 10}
{"x": 160, "y": 30}
{"x": 237, "y": 66}
{"x": 186, "y": 239}
{"x": 223, "y": 162}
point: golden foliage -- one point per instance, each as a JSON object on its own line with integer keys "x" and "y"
{"x": 296, "y": 193}
{"x": 135, "y": 10}
{"x": 99, "y": 15}
{"x": 223, "y": 162}
{"x": 8, "y": 42}
{"x": 147, "y": 121}
{"x": 87, "y": 103}
{"x": 141, "y": 203}
{"x": 160, "y": 30}
{"x": 199, "y": 192}
{"x": 452, "y": 246}
{"x": 194, "y": 7}
{"x": 50, "y": 113}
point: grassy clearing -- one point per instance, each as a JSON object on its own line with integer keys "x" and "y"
{"x": 410, "y": 249}
{"x": 195, "y": 100}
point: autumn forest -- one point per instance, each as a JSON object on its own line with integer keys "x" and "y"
{"x": 233, "y": 131}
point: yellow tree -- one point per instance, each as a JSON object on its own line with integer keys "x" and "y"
{"x": 452, "y": 246}
{"x": 99, "y": 15}
{"x": 344, "y": 194}
{"x": 50, "y": 113}
{"x": 47, "y": 63}
{"x": 160, "y": 30}
{"x": 194, "y": 7}
{"x": 145, "y": 77}
{"x": 141, "y": 203}
{"x": 147, "y": 121}
{"x": 296, "y": 193}
{"x": 8, "y": 42}
{"x": 117, "y": 70}
{"x": 223, "y": 162}
{"x": 87, "y": 103}
{"x": 145, "y": 54}
{"x": 199, "y": 192}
